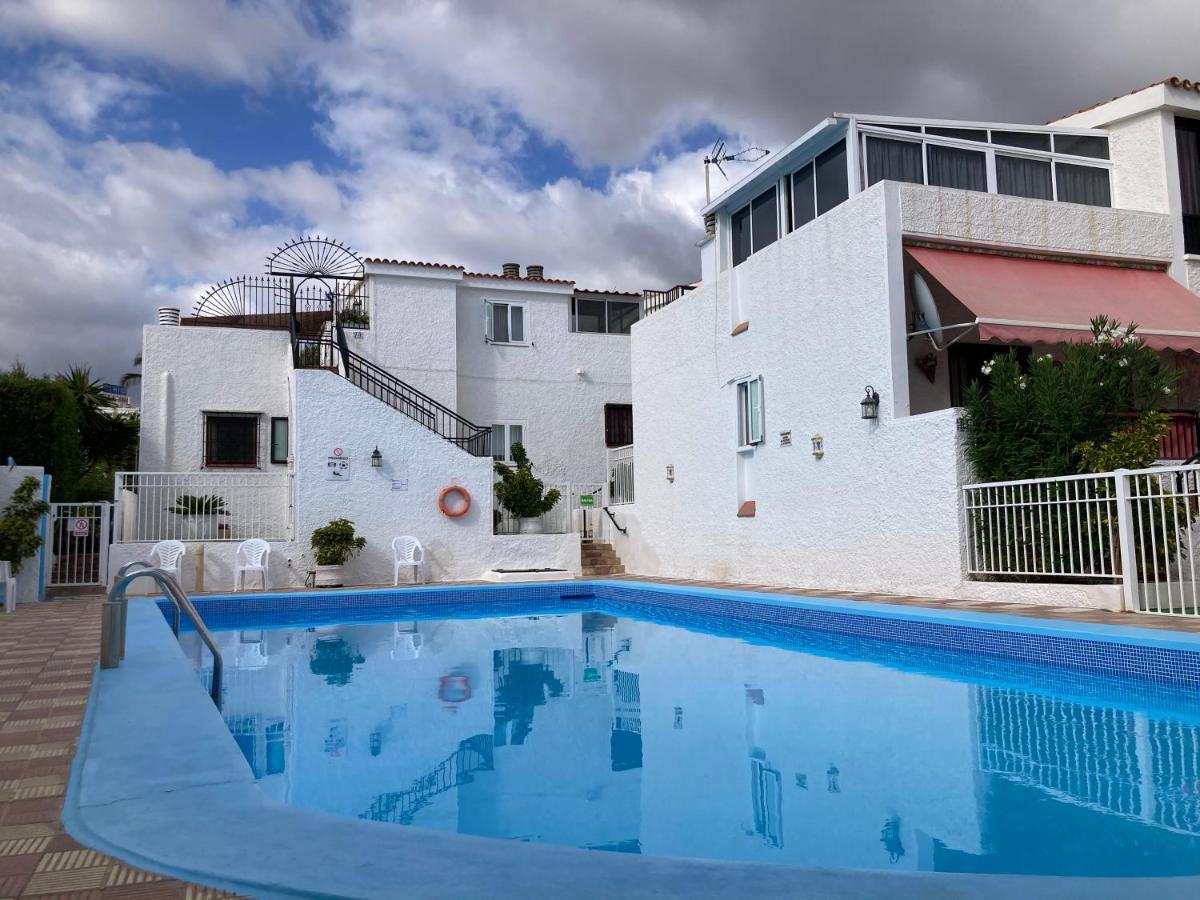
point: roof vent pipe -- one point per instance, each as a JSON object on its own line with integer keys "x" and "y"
{"x": 710, "y": 225}
{"x": 168, "y": 315}
{"x": 535, "y": 273}
{"x": 511, "y": 270}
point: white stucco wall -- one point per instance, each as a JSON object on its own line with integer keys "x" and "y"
{"x": 537, "y": 385}
{"x": 332, "y": 413}
{"x": 190, "y": 370}
{"x": 880, "y": 510}
{"x": 27, "y": 578}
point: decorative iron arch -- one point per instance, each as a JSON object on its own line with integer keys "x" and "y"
{"x": 316, "y": 257}
{"x": 237, "y": 296}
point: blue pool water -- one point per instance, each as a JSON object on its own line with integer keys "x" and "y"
{"x": 629, "y": 726}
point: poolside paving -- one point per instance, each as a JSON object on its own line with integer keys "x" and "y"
{"x": 48, "y": 653}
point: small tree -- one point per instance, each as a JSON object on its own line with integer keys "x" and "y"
{"x": 1099, "y": 406}
{"x": 519, "y": 491}
{"x": 335, "y": 543}
{"x": 19, "y": 538}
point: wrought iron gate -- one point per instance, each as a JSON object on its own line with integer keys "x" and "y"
{"x": 79, "y": 541}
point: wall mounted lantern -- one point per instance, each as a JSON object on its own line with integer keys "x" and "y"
{"x": 870, "y": 404}
{"x": 818, "y": 444}
{"x": 376, "y": 459}
{"x": 670, "y": 472}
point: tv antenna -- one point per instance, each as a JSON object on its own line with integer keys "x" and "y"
{"x": 720, "y": 154}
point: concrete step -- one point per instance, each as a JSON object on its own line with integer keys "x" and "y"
{"x": 592, "y": 571}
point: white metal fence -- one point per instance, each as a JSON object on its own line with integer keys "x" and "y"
{"x": 620, "y": 475}
{"x": 564, "y": 518}
{"x": 201, "y": 506}
{"x": 79, "y": 540}
{"x": 1139, "y": 528}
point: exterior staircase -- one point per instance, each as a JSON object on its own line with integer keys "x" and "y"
{"x": 599, "y": 560}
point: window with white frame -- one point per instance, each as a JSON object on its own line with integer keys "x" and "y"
{"x": 819, "y": 185}
{"x": 755, "y": 225}
{"x": 750, "y": 411}
{"x": 230, "y": 440}
{"x": 592, "y": 316}
{"x": 1070, "y": 168}
{"x": 504, "y": 435}
{"x": 504, "y": 323}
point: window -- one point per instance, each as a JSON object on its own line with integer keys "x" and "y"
{"x": 504, "y": 435}
{"x": 603, "y": 316}
{"x": 1081, "y": 145}
{"x": 755, "y": 225}
{"x": 279, "y": 440}
{"x": 1021, "y": 177}
{"x": 230, "y": 439}
{"x": 955, "y": 168}
{"x": 832, "y": 185}
{"x": 750, "y": 412}
{"x": 1082, "y": 184}
{"x": 505, "y": 322}
{"x": 1187, "y": 144}
{"x": 1026, "y": 139}
{"x": 962, "y": 134}
{"x": 618, "y": 425}
{"x": 894, "y": 161}
{"x": 804, "y": 196}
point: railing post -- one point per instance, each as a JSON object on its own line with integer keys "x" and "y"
{"x": 110, "y": 637}
{"x": 1129, "y": 579}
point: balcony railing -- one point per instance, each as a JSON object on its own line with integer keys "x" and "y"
{"x": 653, "y": 301}
{"x": 620, "y": 475}
{"x": 201, "y": 506}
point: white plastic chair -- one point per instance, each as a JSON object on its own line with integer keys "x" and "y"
{"x": 407, "y": 551}
{"x": 257, "y": 554}
{"x": 10, "y": 586}
{"x": 170, "y": 556}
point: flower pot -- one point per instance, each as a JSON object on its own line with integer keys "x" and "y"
{"x": 329, "y": 576}
{"x": 532, "y": 526}
{"x": 199, "y": 528}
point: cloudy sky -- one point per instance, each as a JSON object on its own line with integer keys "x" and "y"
{"x": 151, "y": 147}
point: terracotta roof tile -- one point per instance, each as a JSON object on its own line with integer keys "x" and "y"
{"x": 495, "y": 275}
{"x": 1174, "y": 81}
{"x": 499, "y": 277}
{"x": 410, "y": 262}
{"x": 612, "y": 293}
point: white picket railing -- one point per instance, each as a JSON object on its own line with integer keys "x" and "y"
{"x": 201, "y": 506}
{"x": 1140, "y": 528}
{"x": 620, "y": 475}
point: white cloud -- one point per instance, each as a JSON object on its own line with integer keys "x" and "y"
{"x": 78, "y": 95}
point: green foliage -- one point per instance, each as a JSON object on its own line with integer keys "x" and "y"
{"x": 519, "y": 492}
{"x": 355, "y": 317}
{"x": 309, "y": 356}
{"x": 39, "y": 426}
{"x": 108, "y": 441}
{"x": 335, "y": 543}
{"x": 202, "y": 505}
{"x": 1134, "y": 447}
{"x": 19, "y": 538}
{"x": 1044, "y": 420}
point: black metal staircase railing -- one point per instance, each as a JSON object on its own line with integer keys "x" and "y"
{"x": 473, "y": 755}
{"x": 328, "y": 350}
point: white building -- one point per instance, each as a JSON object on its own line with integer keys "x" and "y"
{"x": 752, "y": 461}
{"x": 436, "y": 368}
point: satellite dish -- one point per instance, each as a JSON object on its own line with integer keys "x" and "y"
{"x": 925, "y": 311}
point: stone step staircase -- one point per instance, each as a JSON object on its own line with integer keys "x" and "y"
{"x": 600, "y": 559}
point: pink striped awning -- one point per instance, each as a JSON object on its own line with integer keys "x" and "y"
{"x": 1026, "y": 301}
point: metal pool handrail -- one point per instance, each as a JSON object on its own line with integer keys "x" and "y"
{"x": 112, "y": 632}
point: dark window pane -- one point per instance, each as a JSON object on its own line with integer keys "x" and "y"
{"x": 955, "y": 168}
{"x": 804, "y": 202}
{"x": 618, "y": 425}
{"x": 739, "y": 222}
{"x": 230, "y": 440}
{"x": 893, "y": 161}
{"x": 1082, "y": 184}
{"x": 1081, "y": 145}
{"x": 621, "y": 316}
{"x": 279, "y": 440}
{"x": 1030, "y": 140}
{"x": 832, "y": 188}
{"x": 1020, "y": 177}
{"x": 893, "y": 126}
{"x": 963, "y": 134}
{"x": 1187, "y": 145}
{"x": 500, "y": 322}
{"x": 589, "y": 315}
{"x": 764, "y": 213}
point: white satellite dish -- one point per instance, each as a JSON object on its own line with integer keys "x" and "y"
{"x": 925, "y": 312}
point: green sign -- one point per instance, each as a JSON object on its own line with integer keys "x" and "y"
{"x": 590, "y": 674}
{"x": 586, "y": 501}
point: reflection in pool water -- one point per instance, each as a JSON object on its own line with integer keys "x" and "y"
{"x": 618, "y": 734}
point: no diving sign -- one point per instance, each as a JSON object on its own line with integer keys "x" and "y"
{"x": 81, "y": 528}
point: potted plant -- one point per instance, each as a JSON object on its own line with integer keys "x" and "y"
{"x": 332, "y": 545}
{"x": 19, "y": 538}
{"x": 523, "y": 495}
{"x": 355, "y": 317}
{"x": 200, "y": 514}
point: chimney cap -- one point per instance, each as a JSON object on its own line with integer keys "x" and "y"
{"x": 511, "y": 270}
{"x": 535, "y": 273}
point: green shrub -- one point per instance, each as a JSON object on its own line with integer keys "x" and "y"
{"x": 519, "y": 492}
{"x": 19, "y": 538}
{"x": 335, "y": 543}
{"x": 203, "y": 505}
{"x": 40, "y": 426}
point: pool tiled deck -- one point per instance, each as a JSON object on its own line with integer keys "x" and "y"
{"x": 48, "y": 653}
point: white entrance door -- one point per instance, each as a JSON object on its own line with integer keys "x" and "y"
{"x": 79, "y": 540}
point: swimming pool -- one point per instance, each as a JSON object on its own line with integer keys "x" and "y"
{"x": 667, "y": 722}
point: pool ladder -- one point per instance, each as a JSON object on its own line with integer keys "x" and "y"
{"x": 116, "y": 614}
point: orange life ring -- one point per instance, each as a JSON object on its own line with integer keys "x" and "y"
{"x": 446, "y": 492}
